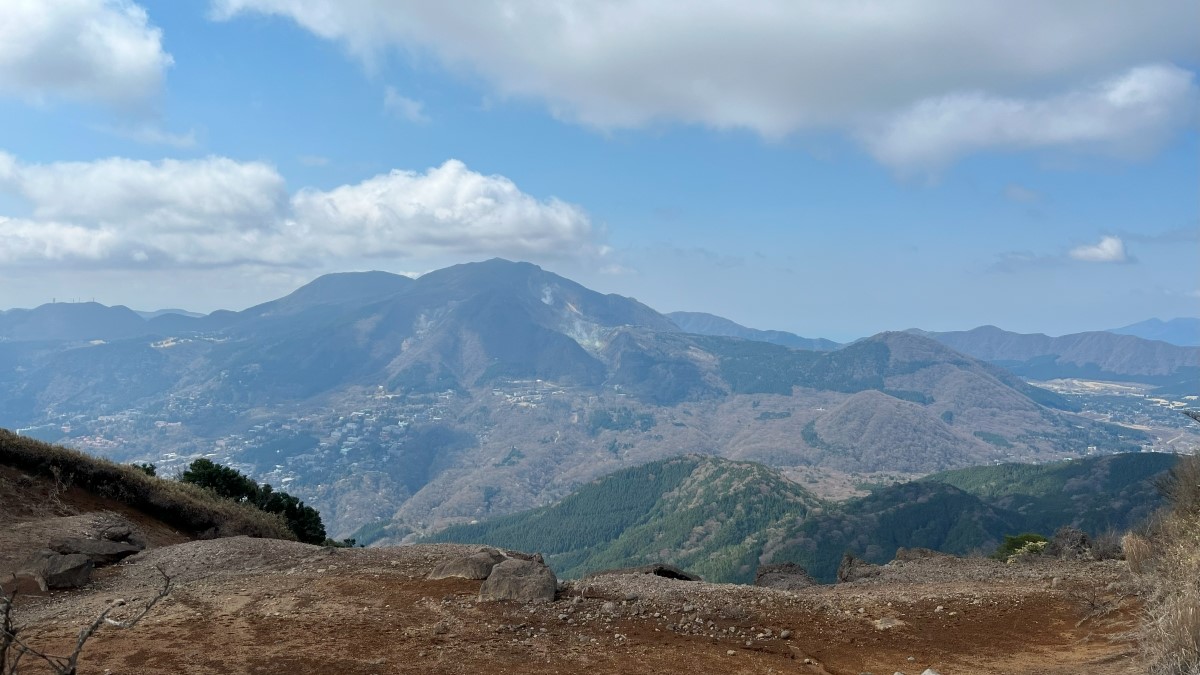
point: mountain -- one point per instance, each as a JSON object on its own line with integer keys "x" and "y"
{"x": 708, "y": 515}
{"x": 701, "y": 323}
{"x": 1182, "y": 331}
{"x": 70, "y": 321}
{"x": 493, "y": 387}
{"x": 1096, "y": 355}
{"x": 721, "y": 519}
{"x": 160, "y": 312}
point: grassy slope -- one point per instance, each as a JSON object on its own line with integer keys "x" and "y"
{"x": 182, "y": 506}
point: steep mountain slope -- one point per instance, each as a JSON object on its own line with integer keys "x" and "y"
{"x": 1182, "y": 331}
{"x": 708, "y": 515}
{"x": 701, "y": 323}
{"x": 1096, "y": 355}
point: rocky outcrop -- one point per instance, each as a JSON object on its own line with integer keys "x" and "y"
{"x": 785, "y": 576}
{"x": 854, "y": 569}
{"x": 100, "y": 552}
{"x": 50, "y": 569}
{"x": 917, "y": 553}
{"x": 474, "y": 566}
{"x": 657, "y": 569}
{"x": 520, "y": 580}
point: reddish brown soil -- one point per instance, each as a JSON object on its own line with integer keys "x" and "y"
{"x": 256, "y": 606}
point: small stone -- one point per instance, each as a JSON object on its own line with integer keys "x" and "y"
{"x": 785, "y": 634}
{"x": 730, "y": 652}
{"x": 930, "y": 671}
{"x": 939, "y": 608}
{"x": 609, "y": 607}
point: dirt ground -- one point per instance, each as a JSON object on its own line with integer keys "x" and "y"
{"x": 242, "y": 605}
{"x": 259, "y": 606}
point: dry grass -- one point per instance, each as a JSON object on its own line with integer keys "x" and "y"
{"x": 180, "y": 505}
{"x": 1168, "y": 560}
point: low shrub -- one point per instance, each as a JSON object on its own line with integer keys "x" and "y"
{"x": 1168, "y": 560}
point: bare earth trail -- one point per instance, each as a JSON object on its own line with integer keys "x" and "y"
{"x": 262, "y": 606}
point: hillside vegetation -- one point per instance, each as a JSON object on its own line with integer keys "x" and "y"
{"x": 189, "y": 508}
{"x": 721, "y": 519}
{"x": 709, "y": 515}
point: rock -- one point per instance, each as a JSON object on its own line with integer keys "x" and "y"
{"x": 101, "y": 552}
{"x": 23, "y": 584}
{"x": 117, "y": 533}
{"x": 785, "y": 634}
{"x": 521, "y": 580}
{"x": 930, "y": 671}
{"x": 784, "y": 576}
{"x": 657, "y": 569}
{"x": 888, "y": 622}
{"x": 72, "y": 570}
{"x": 854, "y": 569}
{"x": 917, "y": 553}
{"x": 475, "y": 566}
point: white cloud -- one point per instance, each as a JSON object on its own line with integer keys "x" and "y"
{"x": 404, "y": 107}
{"x": 1125, "y": 115}
{"x": 220, "y": 212}
{"x": 780, "y": 66}
{"x": 448, "y": 208}
{"x": 1108, "y": 250}
{"x": 87, "y": 50}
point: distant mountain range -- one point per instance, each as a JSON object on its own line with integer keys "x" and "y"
{"x": 1184, "y": 331}
{"x": 1098, "y": 355}
{"x": 711, "y": 324}
{"x": 721, "y": 519}
{"x": 492, "y": 387}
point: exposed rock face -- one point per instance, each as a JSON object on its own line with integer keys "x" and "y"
{"x": 475, "y": 566}
{"x": 68, "y": 571}
{"x": 56, "y": 570}
{"x": 101, "y": 552}
{"x": 520, "y": 580}
{"x": 785, "y": 576}
{"x": 657, "y": 569}
{"x": 916, "y": 553}
{"x": 853, "y": 569}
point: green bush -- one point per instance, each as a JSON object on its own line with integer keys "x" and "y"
{"x": 1014, "y": 544}
{"x": 303, "y": 521}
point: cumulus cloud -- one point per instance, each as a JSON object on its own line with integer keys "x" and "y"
{"x": 1125, "y": 115}
{"x": 1108, "y": 250}
{"x": 874, "y": 69}
{"x": 88, "y": 50}
{"x": 220, "y": 212}
{"x": 403, "y": 106}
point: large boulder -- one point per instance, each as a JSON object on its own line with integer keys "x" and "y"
{"x": 101, "y": 552}
{"x": 520, "y": 580}
{"x": 785, "y": 576}
{"x": 475, "y": 566}
{"x": 855, "y": 569}
{"x": 50, "y": 569}
{"x": 68, "y": 571}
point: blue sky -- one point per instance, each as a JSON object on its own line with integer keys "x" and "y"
{"x": 834, "y": 169}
